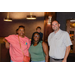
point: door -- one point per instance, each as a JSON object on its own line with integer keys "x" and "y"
{"x": 70, "y": 26}
{"x": 48, "y": 18}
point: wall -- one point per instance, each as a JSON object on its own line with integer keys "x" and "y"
{"x": 63, "y": 16}
{"x": 8, "y": 28}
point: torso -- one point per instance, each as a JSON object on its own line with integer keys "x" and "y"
{"x": 57, "y": 45}
{"x": 36, "y": 52}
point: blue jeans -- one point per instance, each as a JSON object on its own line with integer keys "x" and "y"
{"x": 11, "y": 61}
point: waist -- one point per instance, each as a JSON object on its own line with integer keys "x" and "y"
{"x": 57, "y": 59}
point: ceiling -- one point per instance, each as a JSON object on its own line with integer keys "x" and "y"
{"x": 20, "y": 15}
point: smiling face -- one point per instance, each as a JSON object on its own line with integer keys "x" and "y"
{"x": 36, "y": 37}
{"x": 21, "y": 31}
{"x": 55, "y": 26}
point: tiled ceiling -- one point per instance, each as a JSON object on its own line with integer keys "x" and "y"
{"x": 21, "y": 15}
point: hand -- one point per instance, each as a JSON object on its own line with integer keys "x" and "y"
{"x": 7, "y": 45}
{"x": 3, "y": 39}
{"x": 64, "y": 60}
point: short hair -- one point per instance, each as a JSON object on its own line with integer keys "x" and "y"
{"x": 38, "y": 27}
{"x": 21, "y": 26}
{"x": 56, "y": 20}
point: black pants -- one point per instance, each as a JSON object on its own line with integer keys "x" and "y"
{"x": 55, "y": 60}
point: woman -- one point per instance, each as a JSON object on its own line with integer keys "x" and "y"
{"x": 18, "y": 43}
{"x": 38, "y": 49}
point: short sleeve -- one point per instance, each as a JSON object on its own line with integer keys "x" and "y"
{"x": 48, "y": 40}
{"x": 49, "y": 37}
{"x": 9, "y": 38}
{"x": 67, "y": 40}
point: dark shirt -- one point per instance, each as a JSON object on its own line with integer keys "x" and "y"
{"x": 41, "y": 35}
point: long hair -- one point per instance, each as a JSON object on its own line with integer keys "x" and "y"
{"x": 32, "y": 39}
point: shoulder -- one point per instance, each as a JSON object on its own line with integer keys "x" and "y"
{"x": 41, "y": 33}
{"x": 64, "y": 32}
{"x": 27, "y": 39}
{"x": 43, "y": 43}
{"x": 11, "y": 36}
{"x": 50, "y": 34}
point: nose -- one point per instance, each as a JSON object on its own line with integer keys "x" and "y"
{"x": 53, "y": 25}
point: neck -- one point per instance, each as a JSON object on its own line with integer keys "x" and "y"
{"x": 56, "y": 31}
{"x": 21, "y": 36}
{"x": 35, "y": 42}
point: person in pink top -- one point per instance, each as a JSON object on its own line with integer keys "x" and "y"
{"x": 15, "y": 51}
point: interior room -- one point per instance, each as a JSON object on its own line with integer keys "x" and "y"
{"x": 42, "y": 19}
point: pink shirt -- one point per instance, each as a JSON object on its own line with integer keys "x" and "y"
{"x": 15, "y": 50}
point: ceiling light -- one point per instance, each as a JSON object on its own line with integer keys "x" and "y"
{"x": 31, "y": 16}
{"x": 8, "y": 19}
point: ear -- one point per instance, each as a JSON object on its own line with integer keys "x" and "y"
{"x": 59, "y": 25}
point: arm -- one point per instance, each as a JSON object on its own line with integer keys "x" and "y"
{"x": 66, "y": 54}
{"x": 45, "y": 48}
{"x": 6, "y": 43}
{"x": 67, "y": 43}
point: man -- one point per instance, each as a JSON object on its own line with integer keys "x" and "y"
{"x": 38, "y": 29}
{"x": 59, "y": 43}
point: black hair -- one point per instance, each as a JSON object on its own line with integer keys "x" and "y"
{"x": 21, "y": 26}
{"x": 32, "y": 40}
{"x": 38, "y": 28}
{"x": 16, "y": 31}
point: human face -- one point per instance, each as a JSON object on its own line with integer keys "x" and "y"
{"x": 55, "y": 26}
{"x": 36, "y": 37}
{"x": 38, "y": 30}
{"x": 21, "y": 31}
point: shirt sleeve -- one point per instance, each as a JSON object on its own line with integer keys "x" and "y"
{"x": 67, "y": 40}
{"x": 48, "y": 40}
{"x": 49, "y": 37}
{"x": 9, "y": 38}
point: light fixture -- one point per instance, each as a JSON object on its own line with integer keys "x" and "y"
{"x": 31, "y": 16}
{"x": 8, "y": 19}
{"x": 72, "y": 20}
{"x": 49, "y": 20}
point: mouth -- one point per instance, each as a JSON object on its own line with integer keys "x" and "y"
{"x": 36, "y": 39}
{"x": 21, "y": 34}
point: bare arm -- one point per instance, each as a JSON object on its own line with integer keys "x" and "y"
{"x": 6, "y": 43}
{"x": 66, "y": 54}
{"x": 45, "y": 48}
